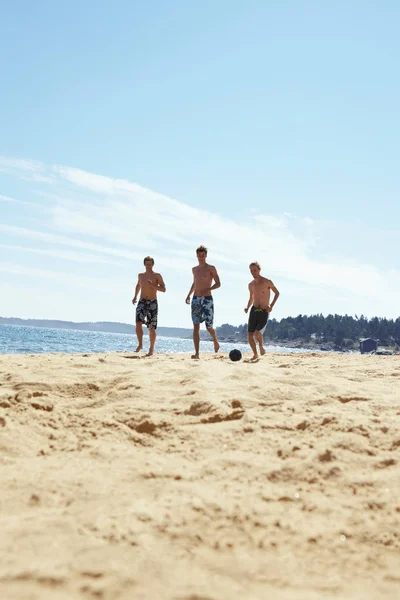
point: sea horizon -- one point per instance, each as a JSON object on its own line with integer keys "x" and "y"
{"x": 27, "y": 339}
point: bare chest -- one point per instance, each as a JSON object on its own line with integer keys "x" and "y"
{"x": 146, "y": 278}
{"x": 260, "y": 288}
{"x": 202, "y": 274}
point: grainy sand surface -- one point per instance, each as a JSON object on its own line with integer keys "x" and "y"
{"x": 167, "y": 478}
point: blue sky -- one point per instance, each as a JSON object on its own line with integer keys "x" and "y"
{"x": 266, "y": 130}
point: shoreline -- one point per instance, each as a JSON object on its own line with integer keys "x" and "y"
{"x": 295, "y": 344}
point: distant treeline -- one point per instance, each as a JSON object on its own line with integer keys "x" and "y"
{"x": 336, "y": 330}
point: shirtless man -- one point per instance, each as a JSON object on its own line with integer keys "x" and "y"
{"x": 260, "y": 292}
{"x": 147, "y": 309}
{"x": 202, "y": 301}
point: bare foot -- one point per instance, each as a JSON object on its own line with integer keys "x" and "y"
{"x": 216, "y": 346}
{"x": 150, "y": 353}
{"x": 138, "y": 349}
{"x": 254, "y": 357}
{"x": 195, "y": 356}
{"x": 262, "y": 351}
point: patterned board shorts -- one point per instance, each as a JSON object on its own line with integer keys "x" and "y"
{"x": 203, "y": 310}
{"x": 146, "y": 313}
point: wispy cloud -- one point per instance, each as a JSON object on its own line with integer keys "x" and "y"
{"x": 63, "y": 254}
{"x": 20, "y": 165}
{"x": 82, "y": 281}
{"x": 66, "y": 241}
{"x": 10, "y": 200}
{"x": 29, "y": 170}
{"x": 155, "y": 219}
{"x": 115, "y": 220}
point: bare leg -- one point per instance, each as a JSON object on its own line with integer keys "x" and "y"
{"x": 139, "y": 335}
{"x": 153, "y": 335}
{"x": 211, "y": 331}
{"x": 253, "y": 346}
{"x": 196, "y": 340}
{"x": 259, "y": 337}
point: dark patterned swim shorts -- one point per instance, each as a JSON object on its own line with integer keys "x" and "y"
{"x": 203, "y": 310}
{"x": 258, "y": 320}
{"x": 146, "y": 313}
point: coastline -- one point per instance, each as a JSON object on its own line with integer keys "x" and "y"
{"x": 172, "y": 332}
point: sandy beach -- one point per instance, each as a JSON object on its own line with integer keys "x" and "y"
{"x": 167, "y": 478}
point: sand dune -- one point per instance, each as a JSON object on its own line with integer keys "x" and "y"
{"x": 166, "y": 478}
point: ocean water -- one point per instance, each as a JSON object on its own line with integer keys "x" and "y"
{"x": 15, "y": 339}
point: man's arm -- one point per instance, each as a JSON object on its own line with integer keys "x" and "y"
{"x": 137, "y": 290}
{"x": 251, "y": 298}
{"x": 216, "y": 278}
{"x": 276, "y": 295}
{"x": 190, "y": 293}
{"x": 161, "y": 285}
{"x": 157, "y": 282}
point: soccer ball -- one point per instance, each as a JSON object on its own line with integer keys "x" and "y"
{"x": 235, "y": 355}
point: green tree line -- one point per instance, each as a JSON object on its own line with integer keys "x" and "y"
{"x": 340, "y": 331}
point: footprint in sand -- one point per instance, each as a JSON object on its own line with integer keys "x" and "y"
{"x": 199, "y": 408}
{"x": 46, "y": 406}
{"x": 147, "y": 426}
{"x": 216, "y": 413}
{"x": 383, "y": 464}
{"x": 24, "y": 395}
{"x": 327, "y": 456}
{"x": 345, "y": 399}
{"x": 43, "y": 387}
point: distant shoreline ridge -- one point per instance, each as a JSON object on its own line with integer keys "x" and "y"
{"x": 334, "y": 332}
{"x": 105, "y": 326}
{"x": 115, "y": 327}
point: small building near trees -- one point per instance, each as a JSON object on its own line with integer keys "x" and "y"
{"x": 368, "y": 345}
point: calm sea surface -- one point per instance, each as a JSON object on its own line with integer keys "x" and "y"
{"x": 15, "y": 339}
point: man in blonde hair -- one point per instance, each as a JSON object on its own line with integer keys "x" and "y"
{"x": 202, "y": 301}
{"x": 260, "y": 293}
{"x": 149, "y": 283}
